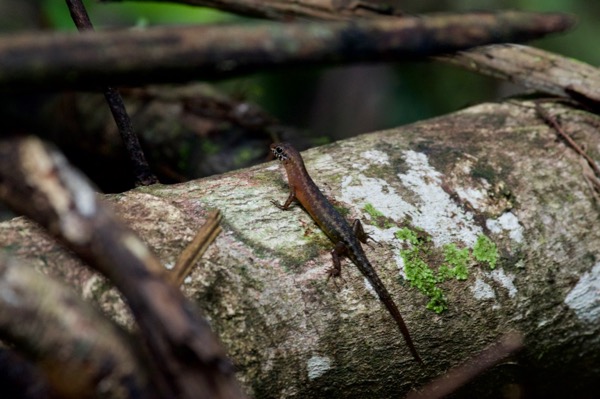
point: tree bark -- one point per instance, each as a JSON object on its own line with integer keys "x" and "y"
{"x": 494, "y": 169}
{"x": 78, "y": 349}
{"x": 285, "y": 10}
{"x": 535, "y": 69}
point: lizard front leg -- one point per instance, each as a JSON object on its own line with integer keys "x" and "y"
{"x": 288, "y": 202}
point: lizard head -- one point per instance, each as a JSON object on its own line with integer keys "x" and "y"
{"x": 284, "y": 151}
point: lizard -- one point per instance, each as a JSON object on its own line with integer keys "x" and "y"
{"x": 347, "y": 239}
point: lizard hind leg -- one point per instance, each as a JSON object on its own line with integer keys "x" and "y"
{"x": 336, "y": 269}
{"x": 360, "y": 234}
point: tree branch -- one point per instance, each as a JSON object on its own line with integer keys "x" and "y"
{"x": 141, "y": 169}
{"x": 285, "y": 9}
{"x": 174, "y": 54}
{"x": 534, "y": 69}
{"x": 51, "y": 324}
{"x": 192, "y": 253}
{"x": 188, "y": 360}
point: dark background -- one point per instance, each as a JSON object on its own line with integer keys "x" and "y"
{"x": 318, "y": 105}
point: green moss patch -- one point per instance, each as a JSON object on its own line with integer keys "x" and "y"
{"x": 380, "y": 219}
{"x": 453, "y": 263}
{"x": 485, "y": 251}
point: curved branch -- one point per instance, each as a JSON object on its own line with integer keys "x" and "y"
{"x": 188, "y": 359}
{"x": 534, "y": 69}
{"x": 51, "y": 324}
{"x": 286, "y": 9}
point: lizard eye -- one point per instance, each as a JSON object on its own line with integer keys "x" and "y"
{"x": 279, "y": 153}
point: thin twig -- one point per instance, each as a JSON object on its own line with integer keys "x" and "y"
{"x": 190, "y": 255}
{"x": 141, "y": 169}
{"x": 551, "y": 121}
{"x": 79, "y": 15}
{"x": 458, "y": 376}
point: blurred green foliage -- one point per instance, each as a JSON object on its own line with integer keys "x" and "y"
{"x": 113, "y": 14}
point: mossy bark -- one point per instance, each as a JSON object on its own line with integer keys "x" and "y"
{"x": 493, "y": 169}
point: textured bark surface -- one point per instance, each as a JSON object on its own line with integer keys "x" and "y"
{"x": 493, "y": 169}
{"x": 283, "y": 9}
{"x": 534, "y": 69}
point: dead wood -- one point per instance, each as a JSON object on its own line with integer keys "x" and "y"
{"x": 186, "y": 360}
{"x": 286, "y": 9}
{"x": 177, "y": 54}
{"x": 494, "y": 169}
{"x": 79, "y": 350}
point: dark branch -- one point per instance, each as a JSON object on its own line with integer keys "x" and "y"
{"x": 79, "y": 15}
{"x": 49, "y": 323}
{"x": 175, "y": 54}
{"x": 286, "y": 9}
{"x": 38, "y": 182}
{"x": 459, "y": 376}
{"x": 141, "y": 169}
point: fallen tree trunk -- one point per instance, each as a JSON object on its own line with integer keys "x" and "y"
{"x": 425, "y": 192}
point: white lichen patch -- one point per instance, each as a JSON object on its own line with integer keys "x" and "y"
{"x": 362, "y": 190}
{"x": 274, "y": 166}
{"x": 584, "y": 298}
{"x": 169, "y": 265}
{"x": 388, "y": 236}
{"x": 369, "y": 287}
{"x": 372, "y": 157}
{"x": 436, "y": 212}
{"x": 482, "y": 290}
{"x": 505, "y": 280}
{"x": 507, "y": 222}
{"x": 322, "y": 162}
{"x": 477, "y": 198}
{"x": 316, "y": 366}
{"x": 543, "y": 323}
{"x": 468, "y": 189}
{"x": 380, "y": 234}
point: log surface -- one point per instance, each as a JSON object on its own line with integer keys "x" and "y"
{"x": 493, "y": 169}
